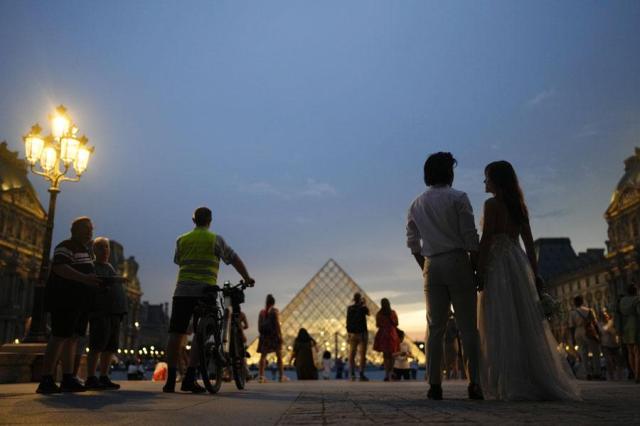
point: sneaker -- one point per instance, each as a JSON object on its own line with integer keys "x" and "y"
{"x": 72, "y": 384}
{"x": 364, "y": 378}
{"x": 475, "y": 392}
{"x": 435, "y": 392}
{"x": 92, "y": 383}
{"x": 108, "y": 384}
{"x": 192, "y": 386}
{"x": 262, "y": 379}
{"x": 353, "y": 377}
{"x": 283, "y": 379}
{"x": 48, "y": 386}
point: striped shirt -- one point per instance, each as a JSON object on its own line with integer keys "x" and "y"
{"x": 65, "y": 294}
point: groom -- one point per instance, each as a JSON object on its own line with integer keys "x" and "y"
{"x": 443, "y": 219}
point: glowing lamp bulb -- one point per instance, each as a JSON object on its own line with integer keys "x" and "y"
{"x": 49, "y": 158}
{"x": 33, "y": 146}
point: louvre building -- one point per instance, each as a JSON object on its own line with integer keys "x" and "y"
{"x": 321, "y": 308}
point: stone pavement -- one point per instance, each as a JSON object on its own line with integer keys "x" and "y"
{"x": 311, "y": 403}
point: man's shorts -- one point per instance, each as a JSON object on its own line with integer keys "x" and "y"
{"x": 182, "y": 311}
{"x": 68, "y": 323}
{"x": 356, "y": 339}
{"x": 104, "y": 331}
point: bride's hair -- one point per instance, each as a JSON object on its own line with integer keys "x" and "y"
{"x": 505, "y": 180}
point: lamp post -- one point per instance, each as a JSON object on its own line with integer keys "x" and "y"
{"x": 52, "y": 157}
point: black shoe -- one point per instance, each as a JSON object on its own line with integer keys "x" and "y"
{"x": 72, "y": 384}
{"x": 475, "y": 392}
{"x": 107, "y": 383}
{"x": 435, "y": 392}
{"x": 92, "y": 383}
{"x": 48, "y": 386}
{"x": 353, "y": 377}
{"x": 169, "y": 388}
{"x": 364, "y": 378}
{"x": 192, "y": 386}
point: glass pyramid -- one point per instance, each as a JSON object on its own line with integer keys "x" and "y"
{"x": 321, "y": 308}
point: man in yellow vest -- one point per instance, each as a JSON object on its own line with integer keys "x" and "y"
{"x": 198, "y": 254}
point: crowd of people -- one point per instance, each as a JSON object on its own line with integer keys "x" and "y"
{"x": 491, "y": 283}
{"x": 603, "y": 344}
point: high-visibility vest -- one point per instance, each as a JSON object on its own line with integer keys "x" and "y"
{"x": 196, "y": 257}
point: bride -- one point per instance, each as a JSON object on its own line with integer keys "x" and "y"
{"x": 518, "y": 351}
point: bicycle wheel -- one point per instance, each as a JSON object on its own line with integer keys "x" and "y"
{"x": 238, "y": 360}
{"x": 210, "y": 364}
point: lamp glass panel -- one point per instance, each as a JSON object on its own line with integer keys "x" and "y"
{"x": 82, "y": 160}
{"x": 33, "y": 146}
{"x": 49, "y": 158}
{"x": 69, "y": 149}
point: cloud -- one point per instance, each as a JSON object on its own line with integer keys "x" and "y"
{"x": 317, "y": 189}
{"x": 541, "y": 97}
{"x": 262, "y": 188}
{"x": 310, "y": 189}
{"x": 586, "y": 131}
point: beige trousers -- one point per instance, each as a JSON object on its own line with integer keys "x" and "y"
{"x": 448, "y": 280}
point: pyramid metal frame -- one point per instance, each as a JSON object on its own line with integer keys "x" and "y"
{"x": 321, "y": 307}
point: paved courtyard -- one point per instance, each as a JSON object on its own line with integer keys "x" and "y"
{"x": 311, "y": 403}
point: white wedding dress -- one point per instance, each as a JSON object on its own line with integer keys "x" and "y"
{"x": 519, "y": 359}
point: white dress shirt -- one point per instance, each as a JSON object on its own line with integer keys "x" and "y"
{"x": 442, "y": 218}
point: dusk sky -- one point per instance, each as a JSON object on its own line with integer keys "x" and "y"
{"x": 305, "y": 125}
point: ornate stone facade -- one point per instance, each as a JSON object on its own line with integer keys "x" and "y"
{"x": 22, "y": 229}
{"x": 600, "y": 279}
{"x": 623, "y": 219}
{"x": 128, "y": 268}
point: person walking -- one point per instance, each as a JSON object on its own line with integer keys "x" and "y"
{"x": 442, "y": 237}
{"x": 197, "y": 254}
{"x": 304, "y": 356}
{"x": 270, "y": 337}
{"x": 585, "y": 333}
{"x": 611, "y": 348}
{"x": 387, "y": 340}
{"x": 630, "y": 309}
{"x": 104, "y": 324}
{"x": 358, "y": 335}
{"x": 71, "y": 282}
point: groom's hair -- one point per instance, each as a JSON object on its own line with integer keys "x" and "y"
{"x": 438, "y": 169}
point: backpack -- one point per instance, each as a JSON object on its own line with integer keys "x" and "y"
{"x": 266, "y": 323}
{"x": 590, "y": 326}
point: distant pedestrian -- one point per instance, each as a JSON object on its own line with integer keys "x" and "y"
{"x": 104, "y": 323}
{"x": 304, "y": 356}
{"x": 413, "y": 365}
{"x": 630, "y": 309}
{"x": 386, "y": 340}
{"x": 339, "y": 368}
{"x": 71, "y": 282}
{"x": 358, "y": 335}
{"x": 401, "y": 363}
{"x": 585, "y": 334}
{"x": 327, "y": 364}
{"x": 452, "y": 358}
{"x": 270, "y": 337}
{"x": 611, "y": 348}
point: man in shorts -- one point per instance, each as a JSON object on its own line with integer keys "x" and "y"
{"x": 198, "y": 254}
{"x": 358, "y": 335}
{"x": 71, "y": 282}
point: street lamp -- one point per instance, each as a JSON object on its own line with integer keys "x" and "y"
{"x": 55, "y": 154}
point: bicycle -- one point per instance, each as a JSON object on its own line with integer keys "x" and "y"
{"x": 219, "y": 335}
